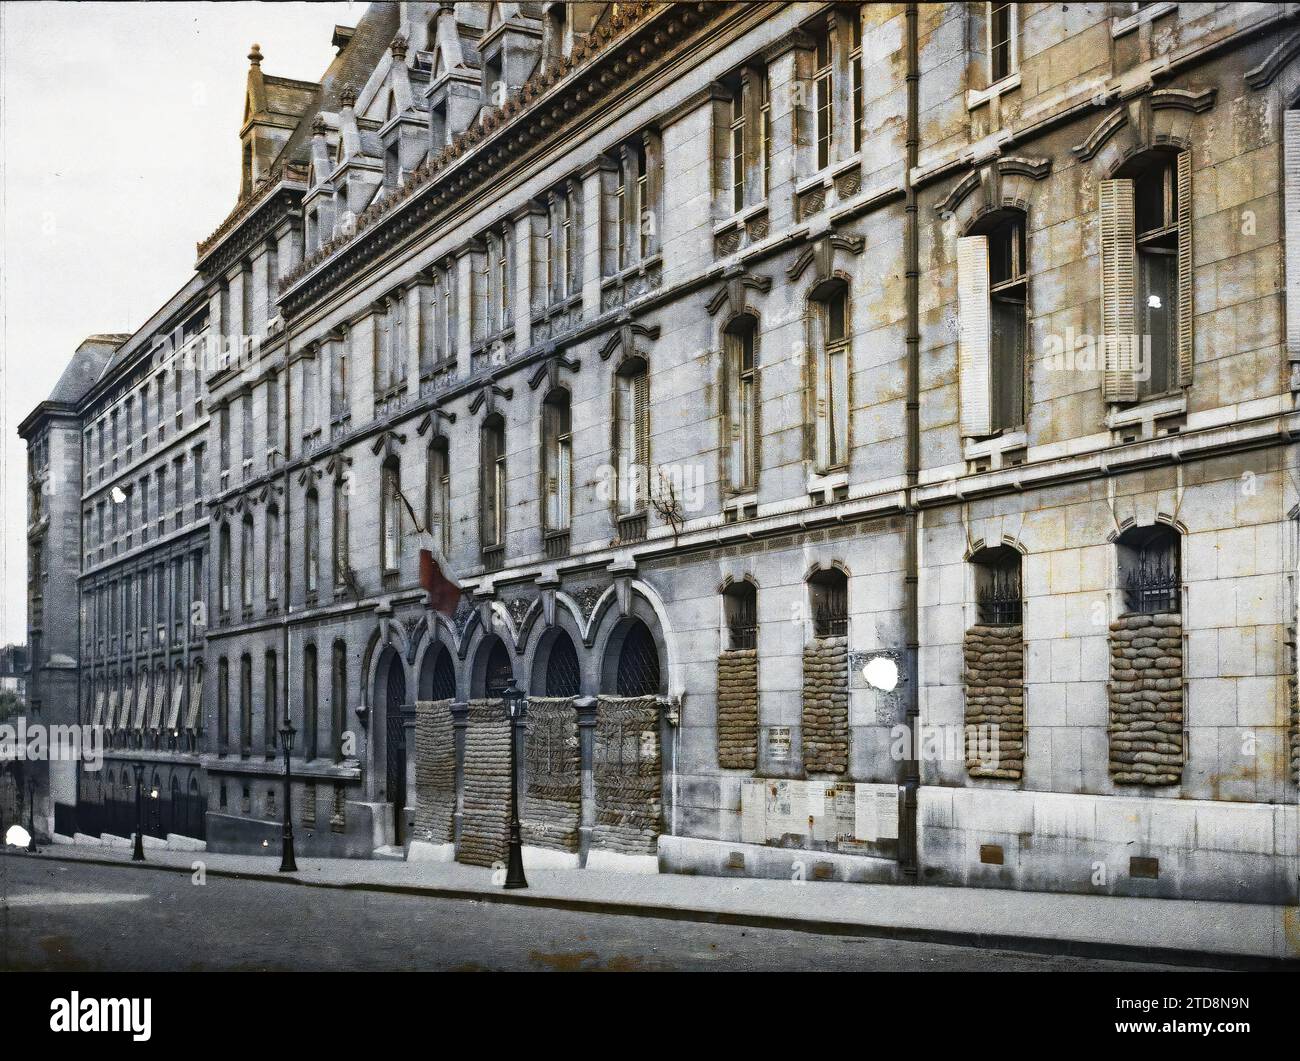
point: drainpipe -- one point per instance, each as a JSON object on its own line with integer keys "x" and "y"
{"x": 910, "y": 768}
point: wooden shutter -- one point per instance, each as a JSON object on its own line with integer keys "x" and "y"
{"x": 551, "y": 463}
{"x": 973, "y": 336}
{"x": 1291, "y": 208}
{"x": 1118, "y": 253}
{"x": 734, "y": 410}
{"x": 178, "y": 692}
{"x": 1185, "y": 306}
{"x": 196, "y": 698}
{"x": 641, "y": 418}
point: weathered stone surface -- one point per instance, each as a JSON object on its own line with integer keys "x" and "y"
{"x": 738, "y": 709}
{"x": 1146, "y": 700}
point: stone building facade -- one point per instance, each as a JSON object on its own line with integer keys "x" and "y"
{"x": 874, "y": 420}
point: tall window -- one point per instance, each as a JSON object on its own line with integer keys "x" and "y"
{"x": 272, "y": 556}
{"x": 824, "y": 96}
{"x": 831, "y": 382}
{"x": 223, "y": 427}
{"x": 632, "y": 437}
{"x": 309, "y": 702}
{"x": 270, "y": 697}
{"x": 245, "y": 706}
{"x": 338, "y": 699}
{"x": 742, "y": 405}
{"x": 738, "y": 145}
{"x": 223, "y": 566}
{"x": 438, "y": 494}
{"x": 493, "y": 456}
{"x": 557, "y": 459}
{"x": 1155, "y": 208}
{"x": 1007, "y": 301}
{"x": 223, "y": 706}
{"x": 1150, "y": 569}
{"x": 392, "y": 514}
{"x": 828, "y": 593}
{"x": 1002, "y": 45}
{"x": 740, "y": 611}
{"x": 311, "y": 542}
{"x": 340, "y": 531}
{"x": 246, "y": 562}
{"x": 997, "y": 585}
{"x": 272, "y": 416}
{"x": 855, "y": 62}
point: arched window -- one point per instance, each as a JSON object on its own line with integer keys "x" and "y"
{"x": 311, "y": 542}
{"x": 742, "y": 405}
{"x": 632, "y": 436}
{"x": 740, "y": 611}
{"x": 340, "y": 531}
{"x": 270, "y": 700}
{"x": 831, "y": 375}
{"x": 638, "y": 663}
{"x": 499, "y": 671}
{"x": 223, "y": 566}
{"x": 338, "y": 699}
{"x": 272, "y": 556}
{"x": 992, "y": 296}
{"x": 828, "y": 597}
{"x": 391, "y": 514}
{"x": 245, "y": 562}
{"x": 557, "y": 459}
{"x": 438, "y": 494}
{"x": 492, "y": 517}
{"x": 309, "y": 702}
{"x": 562, "y": 672}
{"x": 997, "y": 586}
{"x": 1150, "y": 573}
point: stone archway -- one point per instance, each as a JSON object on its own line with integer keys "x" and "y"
{"x": 390, "y": 694}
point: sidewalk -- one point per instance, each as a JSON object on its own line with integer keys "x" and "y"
{"x": 1178, "y": 932}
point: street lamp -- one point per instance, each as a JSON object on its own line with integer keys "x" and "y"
{"x": 138, "y": 854}
{"x": 31, "y": 815}
{"x": 287, "y": 863}
{"x": 512, "y": 698}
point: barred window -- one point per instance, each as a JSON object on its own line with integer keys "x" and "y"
{"x": 828, "y": 598}
{"x": 740, "y": 611}
{"x": 1150, "y": 569}
{"x": 997, "y": 586}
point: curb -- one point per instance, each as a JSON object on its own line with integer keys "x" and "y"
{"x": 1178, "y": 956}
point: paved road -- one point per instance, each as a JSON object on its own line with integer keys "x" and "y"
{"x": 93, "y": 917}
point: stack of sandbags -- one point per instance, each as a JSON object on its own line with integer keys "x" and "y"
{"x": 553, "y": 806}
{"x": 1146, "y": 699}
{"x": 738, "y": 709}
{"x": 826, "y": 705}
{"x": 1293, "y": 700}
{"x": 628, "y": 775}
{"x": 995, "y": 701}
{"x": 435, "y": 772}
{"x": 485, "y": 818}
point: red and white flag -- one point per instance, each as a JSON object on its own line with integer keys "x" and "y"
{"x": 444, "y": 593}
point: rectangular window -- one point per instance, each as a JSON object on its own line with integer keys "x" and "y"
{"x": 270, "y": 698}
{"x": 855, "y": 62}
{"x": 392, "y": 517}
{"x": 1001, "y": 41}
{"x": 245, "y": 707}
{"x": 340, "y": 532}
{"x": 309, "y": 703}
{"x": 738, "y": 146}
{"x": 824, "y": 93}
{"x": 223, "y": 706}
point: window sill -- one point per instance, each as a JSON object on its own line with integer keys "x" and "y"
{"x": 1123, "y": 24}
{"x": 977, "y": 97}
{"x": 1156, "y": 407}
{"x": 977, "y": 448}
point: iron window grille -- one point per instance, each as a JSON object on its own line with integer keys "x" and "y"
{"x": 998, "y": 598}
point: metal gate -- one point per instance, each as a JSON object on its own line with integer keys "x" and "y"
{"x": 395, "y": 746}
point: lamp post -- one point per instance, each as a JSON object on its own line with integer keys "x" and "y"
{"x": 138, "y": 854}
{"x": 514, "y": 701}
{"x": 287, "y": 863}
{"x": 31, "y": 815}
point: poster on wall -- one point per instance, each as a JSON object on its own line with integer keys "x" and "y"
{"x": 841, "y": 813}
{"x": 876, "y": 812}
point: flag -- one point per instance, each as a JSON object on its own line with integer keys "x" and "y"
{"x": 444, "y": 594}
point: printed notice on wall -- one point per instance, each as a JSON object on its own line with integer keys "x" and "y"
{"x": 876, "y": 812}
{"x": 779, "y": 744}
{"x": 771, "y": 810}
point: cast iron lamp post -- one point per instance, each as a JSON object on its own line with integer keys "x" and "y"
{"x": 31, "y": 814}
{"x": 138, "y": 854}
{"x": 513, "y": 700}
{"x": 287, "y": 863}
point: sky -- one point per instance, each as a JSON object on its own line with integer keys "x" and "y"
{"x": 119, "y": 150}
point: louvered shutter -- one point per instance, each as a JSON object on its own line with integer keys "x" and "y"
{"x": 1119, "y": 377}
{"x": 178, "y": 693}
{"x": 128, "y": 699}
{"x": 112, "y": 708}
{"x": 487, "y": 486}
{"x": 974, "y": 347}
{"x": 98, "y": 717}
{"x": 641, "y": 418}
{"x": 196, "y": 698}
{"x": 141, "y": 702}
{"x": 1185, "y": 306}
{"x": 735, "y": 412}
{"x": 550, "y": 464}
{"x": 1291, "y": 206}
{"x": 159, "y": 700}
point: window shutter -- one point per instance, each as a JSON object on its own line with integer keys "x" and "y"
{"x": 550, "y": 464}
{"x": 735, "y": 411}
{"x": 1185, "y": 306}
{"x": 1291, "y": 208}
{"x": 641, "y": 415}
{"x": 973, "y": 335}
{"x": 1119, "y": 379}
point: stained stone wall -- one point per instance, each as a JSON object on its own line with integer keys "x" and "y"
{"x": 552, "y": 806}
{"x": 826, "y": 705}
{"x": 1293, "y": 704}
{"x": 435, "y": 772}
{"x": 1146, "y": 699}
{"x": 995, "y": 697}
{"x": 485, "y": 814}
{"x": 738, "y": 709}
{"x": 628, "y": 774}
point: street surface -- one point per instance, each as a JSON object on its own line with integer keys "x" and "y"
{"x": 90, "y": 917}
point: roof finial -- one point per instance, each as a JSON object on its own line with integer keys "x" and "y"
{"x": 255, "y": 54}
{"x": 398, "y": 48}
{"x": 348, "y": 97}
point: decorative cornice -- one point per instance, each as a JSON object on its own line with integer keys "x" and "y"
{"x": 624, "y": 336}
{"x": 1263, "y": 75}
{"x": 824, "y": 249}
{"x": 735, "y": 281}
